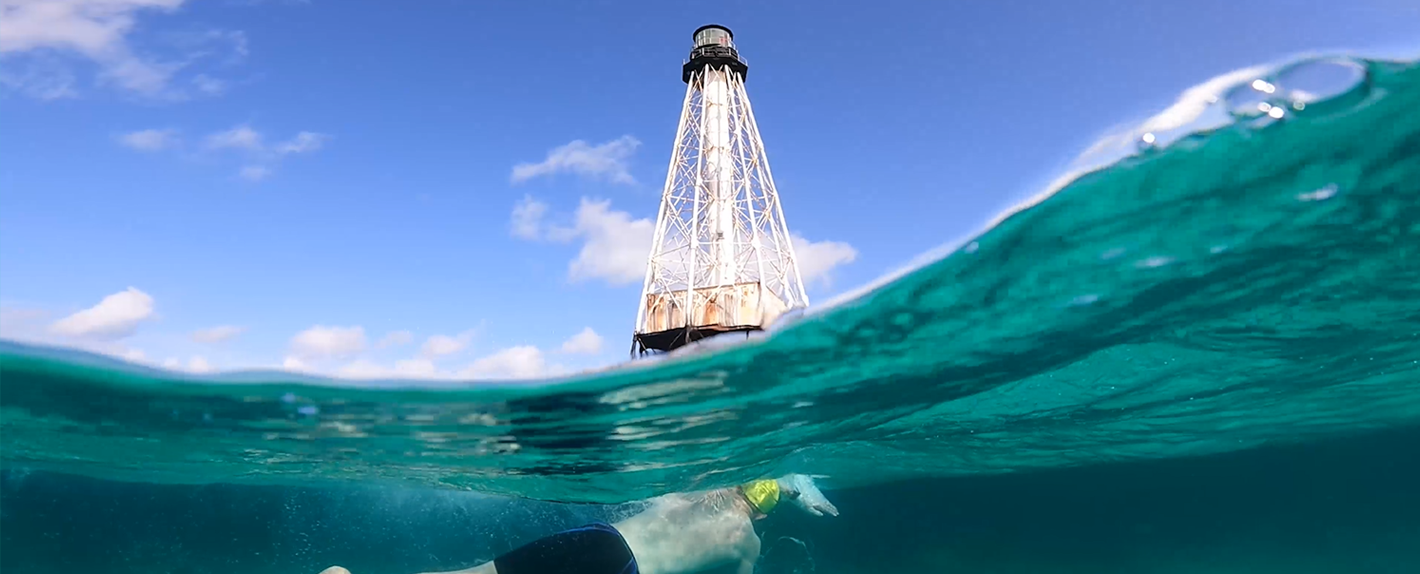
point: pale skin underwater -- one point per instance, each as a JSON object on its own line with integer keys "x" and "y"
{"x": 697, "y": 532}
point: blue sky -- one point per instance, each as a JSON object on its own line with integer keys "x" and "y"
{"x": 330, "y": 186}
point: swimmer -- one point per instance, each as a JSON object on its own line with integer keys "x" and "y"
{"x": 710, "y": 531}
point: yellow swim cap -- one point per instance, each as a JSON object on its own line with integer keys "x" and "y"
{"x": 763, "y": 495}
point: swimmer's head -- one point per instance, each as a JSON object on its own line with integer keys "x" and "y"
{"x": 763, "y": 495}
{"x": 800, "y": 490}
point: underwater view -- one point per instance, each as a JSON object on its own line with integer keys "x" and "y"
{"x": 1202, "y": 356}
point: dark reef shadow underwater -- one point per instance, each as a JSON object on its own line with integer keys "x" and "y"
{"x": 1350, "y": 505}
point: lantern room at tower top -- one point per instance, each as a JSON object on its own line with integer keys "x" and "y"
{"x": 714, "y": 46}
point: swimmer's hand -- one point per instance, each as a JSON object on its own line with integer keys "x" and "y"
{"x": 803, "y": 493}
{"x": 820, "y": 508}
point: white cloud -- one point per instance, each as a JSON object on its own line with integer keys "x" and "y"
{"x": 99, "y": 31}
{"x": 195, "y": 364}
{"x": 607, "y": 160}
{"x": 244, "y": 137}
{"x": 114, "y": 317}
{"x": 236, "y": 41}
{"x": 586, "y": 342}
{"x": 139, "y": 75}
{"x": 217, "y": 334}
{"x": 527, "y": 218}
{"x": 149, "y": 140}
{"x": 21, "y": 322}
{"x": 395, "y": 339}
{"x": 363, "y": 369}
{"x": 42, "y": 77}
{"x": 302, "y": 143}
{"x": 99, "y": 329}
{"x": 199, "y": 364}
{"x": 415, "y": 368}
{"x": 407, "y": 369}
{"x": 262, "y": 157}
{"x": 208, "y": 85}
{"x": 321, "y": 349}
{"x": 615, "y": 246}
{"x": 322, "y": 342}
{"x": 86, "y": 26}
{"x": 440, "y": 345}
{"x": 240, "y": 137}
{"x": 521, "y": 362}
{"x": 255, "y": 172}
{"x": 817, "y": 258}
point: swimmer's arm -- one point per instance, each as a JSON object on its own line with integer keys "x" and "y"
{"x": 749, "y": 554}
{"x": 485, "y": 568}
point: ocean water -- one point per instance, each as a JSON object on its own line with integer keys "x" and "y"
{"x": 1203, "y": 356}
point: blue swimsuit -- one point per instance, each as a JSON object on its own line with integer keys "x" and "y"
{"x": 596, "y": 548}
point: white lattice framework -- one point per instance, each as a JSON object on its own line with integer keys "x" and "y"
{"x": 721, "y": 226}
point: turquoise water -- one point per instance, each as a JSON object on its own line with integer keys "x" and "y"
{"x": 1201, "y": 357}
{"x": 1251, "y": 284}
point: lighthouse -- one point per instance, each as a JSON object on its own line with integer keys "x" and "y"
{"x": 721, "y": 260}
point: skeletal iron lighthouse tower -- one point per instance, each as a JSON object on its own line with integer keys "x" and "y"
{"x": 721, "y": 260}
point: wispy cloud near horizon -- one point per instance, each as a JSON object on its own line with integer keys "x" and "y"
{"x": 609, "y": 160}
{"x": 52, "y": 34}
{"x": 150, "y": 139}
{"x": 259, "y": 158}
